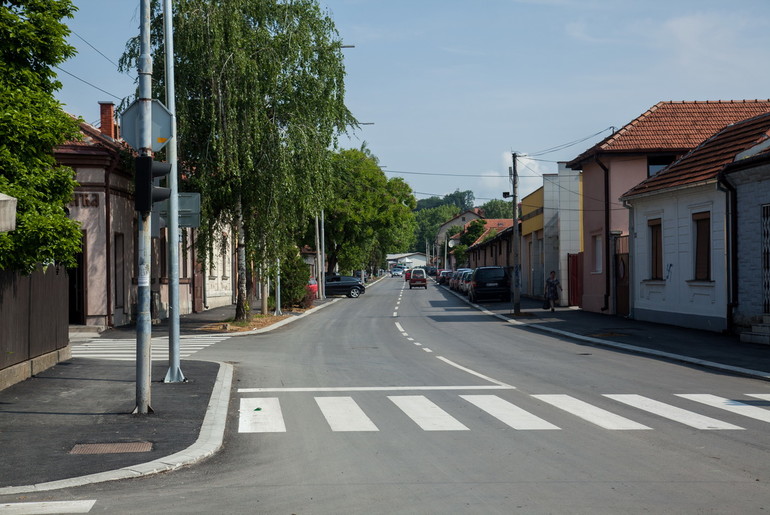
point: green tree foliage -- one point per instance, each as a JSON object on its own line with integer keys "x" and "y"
{"x": 294, "y": 276}
{"x": 369, "y": 214}
{"x": 429, "y": 203}
{"x": 497, "y": 208}
{"x": 260, "y": 101}
{"x": 32, "y": 124}
{"x": 460, "y": 253}
{"x": 475, "y": 229}
{"x": 429, "y": 221}
{"x": 463, "y": 200}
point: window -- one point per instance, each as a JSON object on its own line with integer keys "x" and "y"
{"x": 656, "y": 248}
{"x": 596, "y": 245}
{"x": 702, "y": 231}
{"x": 658, "y": 163}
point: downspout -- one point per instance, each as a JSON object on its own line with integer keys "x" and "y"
{"x": 606, "y": 233}
{"x": 732, "y": 255}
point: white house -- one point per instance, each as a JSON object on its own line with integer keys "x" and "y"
{"x": 681, "y": 234}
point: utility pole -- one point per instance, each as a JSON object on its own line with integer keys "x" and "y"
{"x": 322, "y": 281}
{"x": 144, "y": 237}
{"x": 174, "y": 374}
{"x": 319, "y": 264}
{"x": 515, "y": 244}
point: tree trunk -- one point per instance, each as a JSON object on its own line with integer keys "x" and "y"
{"x": 264, "y": 284}
{"x": 242, "y": 305}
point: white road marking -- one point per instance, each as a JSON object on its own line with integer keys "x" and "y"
{"x": 418, "y": 344}
{"x": 124, "y": 349}
{"x": 508, "y": 413}
{"x": 674, "y": 413}
{"x": 372, "y": 389}
{"x": 408, "y": 338}
{"x": 343, "y": 414}
{"x": 42, "y": 508}
{"x": 398, "y": 326}
{"x": 473, "y": 372}
{"x": 426, "y": 349}
{"x": 763, "y": 396}
{"x": 729, "y": 405}
{"x": 426, "y": 414}
{"x": 395, "y": 314}
{"x": 590, "y": 413}
{"x": 261, "y": 415}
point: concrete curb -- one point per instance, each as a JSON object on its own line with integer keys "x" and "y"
{"x": 209, "y": 442}
{"x": 756, "y": 374}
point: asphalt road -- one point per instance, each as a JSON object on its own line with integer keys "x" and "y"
{"x": 410, "y": 401}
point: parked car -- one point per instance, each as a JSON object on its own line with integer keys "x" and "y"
{"x": 464, "y": 281}
{"x": 443, "y": 276}
{"x": 490, "y": 282}
{"x": 454, "y": 282}
{"x": 418, "y": 279}
{"x": 312, "y": 287}
{"x": 344, "y": 285}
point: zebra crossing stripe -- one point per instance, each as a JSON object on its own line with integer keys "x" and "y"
{"x": 426, "y": 414}
{"x": 730, "y": 405}
{"x": 590, "y": 413}
{"x": 261, "y": 415}
{"x": 343, "y": 414}
{"x": 672, "y": 412}
{"x": 508, "y": 413}
{"x": 763, "y": 396}
{"x": 54, "y": 507}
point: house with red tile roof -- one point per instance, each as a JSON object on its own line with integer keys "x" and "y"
{"x": 640, "y": 149}
{"x": 700, "y": 233}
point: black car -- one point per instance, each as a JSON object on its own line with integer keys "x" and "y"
{"x": 343, "y": 285}
{"x": 490, "y": 282}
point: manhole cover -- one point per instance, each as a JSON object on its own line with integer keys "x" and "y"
{"x": 111, "y": 448}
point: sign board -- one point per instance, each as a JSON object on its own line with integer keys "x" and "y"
{"x": 160, "y": 125}
{"x": 189, "y": 209}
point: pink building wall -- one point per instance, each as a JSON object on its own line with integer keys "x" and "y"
{"x": 624, "y": 173}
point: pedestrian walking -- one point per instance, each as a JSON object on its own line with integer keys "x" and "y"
{"x": 552, "y": 289}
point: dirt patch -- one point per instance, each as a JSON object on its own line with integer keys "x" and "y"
{"x": 256, "y": 322}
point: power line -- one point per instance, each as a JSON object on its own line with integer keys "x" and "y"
{"x": 86, "y": 82}
{"x": 570, "y": 144}
{"x": 95, "y": 49}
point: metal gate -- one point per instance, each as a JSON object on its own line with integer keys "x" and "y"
{"x": 575, "y": 278}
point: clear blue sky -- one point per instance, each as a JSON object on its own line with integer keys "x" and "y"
{"x": 453, "y": 86}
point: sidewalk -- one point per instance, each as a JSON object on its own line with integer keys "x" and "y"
{"x": 89, "y": 401}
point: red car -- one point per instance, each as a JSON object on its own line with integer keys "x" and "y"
{"x": 418, "y": 279}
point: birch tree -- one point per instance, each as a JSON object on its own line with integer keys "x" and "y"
{"x": 260, "y": 102}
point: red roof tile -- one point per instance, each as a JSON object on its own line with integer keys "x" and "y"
{"x": 674, "y": 126}
{"x": 706, "y": 161}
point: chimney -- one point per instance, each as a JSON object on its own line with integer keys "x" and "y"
{"x": 107, "y": 115}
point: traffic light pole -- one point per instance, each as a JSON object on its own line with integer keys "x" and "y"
{"x": 144, "y": 241}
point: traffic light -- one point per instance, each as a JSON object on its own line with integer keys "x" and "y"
{"x": 145, "y": 192}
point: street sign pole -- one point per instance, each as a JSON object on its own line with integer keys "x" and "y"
{"x": 174, "y": 374}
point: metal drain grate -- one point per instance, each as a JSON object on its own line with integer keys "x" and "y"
{"x": 111, "y": 448}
